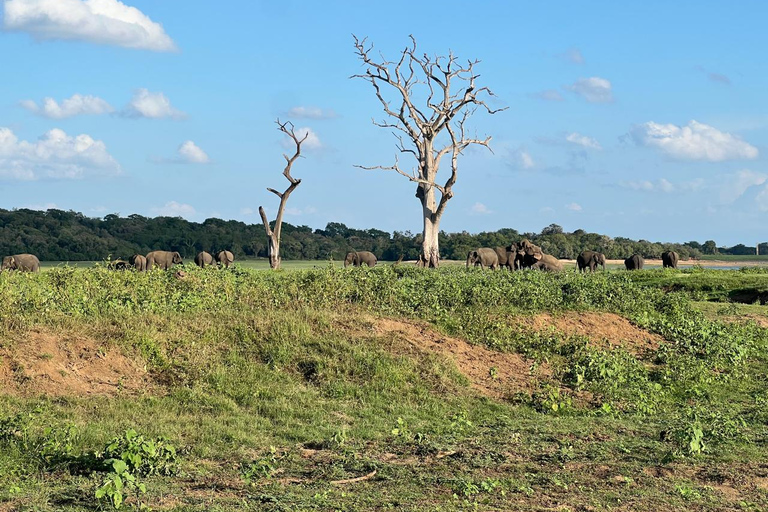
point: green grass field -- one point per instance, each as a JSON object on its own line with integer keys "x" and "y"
{"x": 377, "y": 389}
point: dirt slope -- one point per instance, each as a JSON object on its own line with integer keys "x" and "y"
{"x": 43, "y": 363}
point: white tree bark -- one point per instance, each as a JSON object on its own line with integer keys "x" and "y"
{"x": 414, "y": 77}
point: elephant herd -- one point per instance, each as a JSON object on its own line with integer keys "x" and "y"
{"x": 166, "y": 259}
{"x": 139, "y": 262}
{"x": 525, "y": 254}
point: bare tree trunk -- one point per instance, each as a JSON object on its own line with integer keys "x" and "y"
{"x": 447, "y": 110}
{"x": 273, "y": 236}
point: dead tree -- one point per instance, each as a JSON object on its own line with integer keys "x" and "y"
{"x": 273, "y": 234}
{"x": 428, "y": 132}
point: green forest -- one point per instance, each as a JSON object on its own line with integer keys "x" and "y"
{"x": 57, "y": 235}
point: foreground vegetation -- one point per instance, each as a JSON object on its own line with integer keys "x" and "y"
{"x": 284, "y": 391}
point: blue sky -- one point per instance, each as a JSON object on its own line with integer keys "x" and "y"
{"x": 638, "y": 119}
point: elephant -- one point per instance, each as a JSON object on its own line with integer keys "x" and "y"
{"x": 528, "y": 254}
{"x": 485, "y": 257}
{"x": 203, "y": 258}
{"x": 119, "y": 265}
{"x": 21, "y": 262}
{"x": 163, "y": 259}
{"x": 548, "y": 263}
{"x": 225, "y": 258}
{"x": 139, "y": 262}
{"x": 359, "y": 258}
{"x": 634, "y": 262}
{"x": 669, "y": 259}
{"x": 590, "y": 259}
{"x": 507, "y": 256}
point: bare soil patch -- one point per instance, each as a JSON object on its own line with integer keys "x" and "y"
{"x": 494, "y": 374}
{"x": 44, "y": 363}
{"x": 603, "y": 329}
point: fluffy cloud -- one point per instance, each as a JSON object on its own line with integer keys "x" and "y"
{"x": 583, "y": 140}
{"x": 55, "y": 155}
{"x": 70, "y": 107}
{"x": 480, "y": 209}
{"x": 41, "y": 207}
{"x": 735, "y": 185}
{"x": 152, "y": 105}
{"x": 594, "y": 89}
{"x": 109, "y": 22}
{"x": 174, "y": 209}
{"x": 192, "y": 154}
{"x": 247, "y": 211}
{"x": 311, "y": 113}
{"x": 574, "y": 207}
{"x": 312, "y": 141}
{"x": 548, "y": 95}
{"x": 696, "y": 141}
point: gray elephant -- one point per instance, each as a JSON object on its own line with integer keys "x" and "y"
{"x": 139, "y": 262}
{"x": 21, "y": 262}
{"x": 163, "y": 259}
{"x": 360, "y": 258}
{"x": 528, "y": 254}
{"x": 634, "y": 262}
{"x": 203, "y": 258}
{"x": 669, "y": 259}
{"x": 549, "y": 263}
{"x": 485, "y": 257}
{"x": 119, "y": 265}
{"x": 507, "y": 256}
{"x": 590, "y": 260}
{"x": 225, "y": 258}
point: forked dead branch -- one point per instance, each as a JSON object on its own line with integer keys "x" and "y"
{"x": 433, "y": 80}
{"x": 273, "y": 234}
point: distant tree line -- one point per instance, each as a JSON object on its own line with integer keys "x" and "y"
{"x": 57, "y": 235}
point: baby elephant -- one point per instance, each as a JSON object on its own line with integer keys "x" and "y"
{"x": 225, "y": 258}
{"x": 163, "y": 259}
{"x": 21, "y": 262}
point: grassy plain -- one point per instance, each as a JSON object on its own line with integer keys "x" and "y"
{"x": 386, "y": 388}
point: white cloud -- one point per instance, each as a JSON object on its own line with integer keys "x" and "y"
{"x": 593, "y": 89}
{"x": 311, "y": 113}
{"x": 192, "y": 154}
{"x": 762, "y": 199}
{"x": 308, "y": 210}
{"x": 548, "y": 95}
{"x": 521, "y": 159}
{"x": 573, "y": 55}
{"x": 109, "y": 22}
{"x": 152, "y": 105}
{"x": 41, "y": 207}
{"x": 696, "y": 141}
{"x": 54, "y": 155}
{"x": 480, "y": 209}
{"x": 246, "y": 211}
{"x": 547, "y": 210}
{"x": 174, "y": 209}
{"x": 735, "y": 185}
{"x": 312, "y": 141}
{"x": 663, "y": 185}
{"x": 70, "y": 107}
{"x": 583, "y": 140}
{"x": 574, "y": 207}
